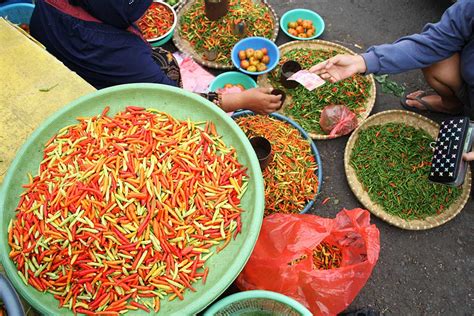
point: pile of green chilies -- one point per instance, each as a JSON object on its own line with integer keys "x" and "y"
{"x": 306, "y": 106}
{"x": 290, "y": 177}
{"x": 392, "y": 161}
{"x": 126, "y": 210}
{"x": 206, "y": 35}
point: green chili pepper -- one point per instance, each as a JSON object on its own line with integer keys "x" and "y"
{"x": 205, "y": 35}
{"x": 392, "y": 161}
{"x": 306, "y": 106}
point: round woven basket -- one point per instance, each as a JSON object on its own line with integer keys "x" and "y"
{"x": 264, "y": 81}
{"x": 432, "y": 128}
{"x": 186, "y": 47}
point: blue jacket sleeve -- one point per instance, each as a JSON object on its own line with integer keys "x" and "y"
{"x": 437, "y": 41}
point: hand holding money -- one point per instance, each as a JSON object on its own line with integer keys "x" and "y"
{"x": 340, "y": 67}
{"x": 307, "y": 79}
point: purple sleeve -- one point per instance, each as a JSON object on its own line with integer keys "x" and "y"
{"x": 437, "y": 41}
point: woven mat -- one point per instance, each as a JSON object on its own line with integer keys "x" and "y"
{"x": 186, "y": 47}
{"x": 432, "y": 128}
{"x": 264, "y": 81}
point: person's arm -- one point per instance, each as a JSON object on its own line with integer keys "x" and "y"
{"x": 438, "y": 41}
{"x": 258, "y": 100}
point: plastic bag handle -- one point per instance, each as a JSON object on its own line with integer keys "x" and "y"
{"x": 10, "y": 298}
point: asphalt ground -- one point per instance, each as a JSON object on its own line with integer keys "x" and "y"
{"x": 418, "y": 272}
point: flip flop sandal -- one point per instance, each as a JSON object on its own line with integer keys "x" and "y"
{"x": 426, "y": 106}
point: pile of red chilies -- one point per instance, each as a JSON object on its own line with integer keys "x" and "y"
{"x": 156, "y": 22}
{"x": 124, "y": 211}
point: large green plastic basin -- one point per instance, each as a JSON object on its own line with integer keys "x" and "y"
{"x": 223, "y": 267}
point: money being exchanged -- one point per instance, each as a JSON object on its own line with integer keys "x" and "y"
{"x": 307, "y": 79}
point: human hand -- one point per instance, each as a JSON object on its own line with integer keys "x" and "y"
{"x": 339, "y": 67}
{"x": 258, "y": 100}
{"x": 468, "y": 156}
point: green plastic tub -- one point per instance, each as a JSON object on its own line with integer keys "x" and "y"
{"x": 223, "y": 267}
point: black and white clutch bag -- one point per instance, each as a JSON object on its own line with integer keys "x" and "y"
{"x": 455, "y": 138}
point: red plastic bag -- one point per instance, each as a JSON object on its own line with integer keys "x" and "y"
{"x": 286, "y": 237}
{"x": 337, "y": 120}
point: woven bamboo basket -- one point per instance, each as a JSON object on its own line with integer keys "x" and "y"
{"x": 264, "y": 81}
{"x": 432, "y": 128}
{"x": 186, "y": 47}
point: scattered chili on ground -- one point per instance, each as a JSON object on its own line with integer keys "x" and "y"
{"x": 290, "y": 177}
{"x": 125, "y": 210}
{"x": 392, "y": 161}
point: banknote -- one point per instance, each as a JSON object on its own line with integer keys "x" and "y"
{"x": 307, "y": 79}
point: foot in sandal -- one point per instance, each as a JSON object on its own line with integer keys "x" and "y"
{"x": 421, "y": 101}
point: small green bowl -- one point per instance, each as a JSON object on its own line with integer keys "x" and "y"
{"x": 293, "y": 15}
{"x": 232, "y": 77}
{"x": 162, "y": 41}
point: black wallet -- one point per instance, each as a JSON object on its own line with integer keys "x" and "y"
{"x": 455, "y": 138}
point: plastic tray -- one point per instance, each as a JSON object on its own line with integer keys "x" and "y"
{"x": 223, "y": 267}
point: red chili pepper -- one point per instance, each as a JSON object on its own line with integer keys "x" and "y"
{"x": 156, "y": 22}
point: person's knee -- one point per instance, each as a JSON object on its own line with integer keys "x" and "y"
{"x": 444, "y": 76}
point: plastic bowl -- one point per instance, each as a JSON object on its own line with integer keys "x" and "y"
{"x": 293, "y": 15}
{"x": 8, "y": 2}
{"x": 161, "y": 40}
{"x": 257, "y": 302}
{"x": 17, "y": 13}
{"x": 305, "y": 135}
{"x": 223, "y": 267}
{"x": 256, "y": 43}
{"x": 234, "y": 78}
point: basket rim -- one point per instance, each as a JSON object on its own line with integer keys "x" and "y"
{"x": 241, "y": 296}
